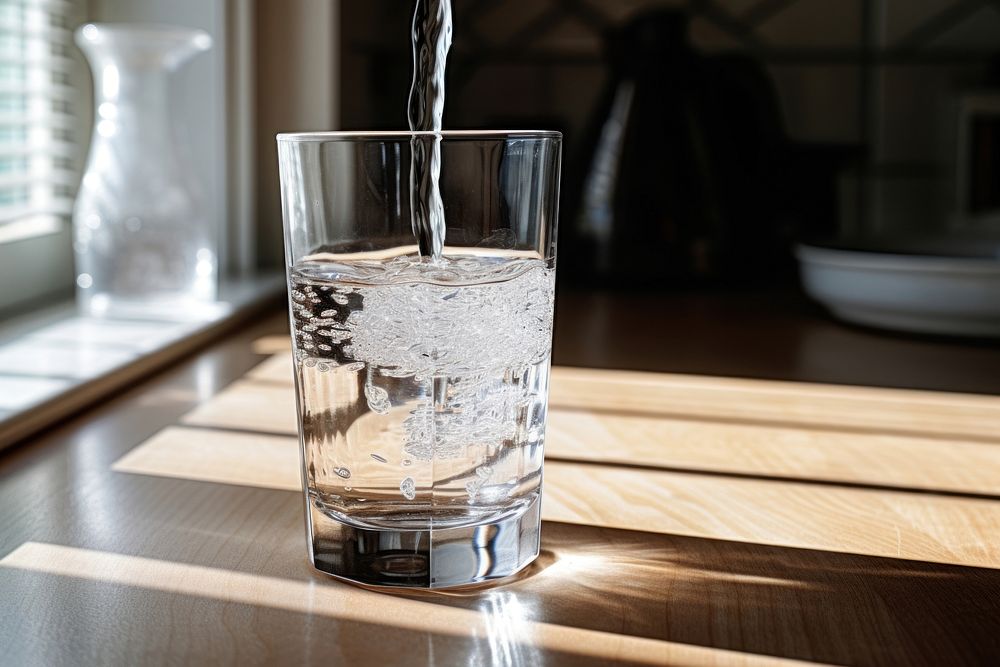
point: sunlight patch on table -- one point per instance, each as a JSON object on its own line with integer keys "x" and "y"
{"x": 244, "y": 459}
{"x": 502, "y": 623}
{"x": 792, "y": 514}
{"x": 248, "y": 406}
{"x": 272, "y": 344}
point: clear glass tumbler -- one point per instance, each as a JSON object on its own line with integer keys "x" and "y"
{"x": 422, "y": 383}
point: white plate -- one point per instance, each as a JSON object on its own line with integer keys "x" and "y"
{"x": 919, "y": 293}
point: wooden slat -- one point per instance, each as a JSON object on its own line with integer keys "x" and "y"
{"x": 833, "y": 407}
{"x": 356, "y": 604}
{"x": 782, "y": 403}
{"x": 954, "y": 465}
{"x": 876, "y": 523}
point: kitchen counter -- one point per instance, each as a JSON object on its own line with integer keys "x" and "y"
{"x": 691, "y": 519}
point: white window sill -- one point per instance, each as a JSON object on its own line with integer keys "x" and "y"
{"x": 56, "y": 362}
{"x": 29, "y": 227}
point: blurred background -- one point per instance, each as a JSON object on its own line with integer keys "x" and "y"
{"x": 790, "y": 119}
{"x": 790, "y": 189}
{"x": 738, "y": 173}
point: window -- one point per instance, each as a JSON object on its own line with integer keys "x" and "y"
{"x": 42, "y": 100}
{"x": 38, "y": 147}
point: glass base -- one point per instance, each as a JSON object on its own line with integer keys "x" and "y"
{"x": 434, "y": 558}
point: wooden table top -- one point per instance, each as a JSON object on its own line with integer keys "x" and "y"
{"x": 687, "y": 520}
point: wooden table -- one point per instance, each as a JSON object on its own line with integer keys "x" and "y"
{"x": 688, "y": 520}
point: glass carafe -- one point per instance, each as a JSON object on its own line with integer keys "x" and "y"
{"x": 144, "y": 242}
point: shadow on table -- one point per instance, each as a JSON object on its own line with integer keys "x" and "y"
{"x": 753, "y": 598}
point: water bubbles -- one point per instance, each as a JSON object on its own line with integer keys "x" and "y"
{"x": 380, "y": 459}
{"x": 488, "y": 326}
{"x": 335, "y": 335}
{"x": 342, "y": 472}
{"x": 479, "y": 323}
{"x": 378, "y": 399}
{"x": 406, "y": 462}
{"x": 310, "y": 362}
{"x": 408, "y": 488}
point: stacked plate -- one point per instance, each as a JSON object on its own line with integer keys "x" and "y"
{"x": 907, "y": 289}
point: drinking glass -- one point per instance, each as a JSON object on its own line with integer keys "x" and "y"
{"x": 421, "y": 381}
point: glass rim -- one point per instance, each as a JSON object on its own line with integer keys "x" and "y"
{"x": 400, "y": 135}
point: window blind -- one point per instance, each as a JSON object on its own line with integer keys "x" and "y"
{"x": 38, "y": 147}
